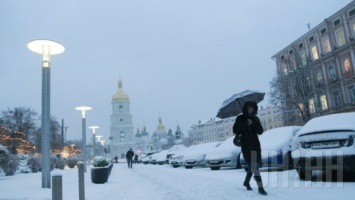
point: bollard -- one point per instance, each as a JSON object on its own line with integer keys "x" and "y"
{"x": 81, "y": 171}
{"x": 57, "y": 189}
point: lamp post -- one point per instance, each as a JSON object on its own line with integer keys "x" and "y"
{"x": 93, "y": 138}
{"x": 99, "y": 140}
{"x": 83, "y": 109}
{"x": 46, "y": 48}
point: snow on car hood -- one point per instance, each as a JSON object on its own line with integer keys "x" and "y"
{"x": 341, "y": 121}
{"x": 277, "y": 138}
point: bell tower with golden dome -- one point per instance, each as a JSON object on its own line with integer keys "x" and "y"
{"x": 122, "y": 133}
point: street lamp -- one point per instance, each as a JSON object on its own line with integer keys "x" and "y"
{"x": 83, "y": 109}
{"x": 93, "y": 138}
{"x": 46, "y": 48}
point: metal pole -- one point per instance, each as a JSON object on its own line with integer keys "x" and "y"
{"x": 45, "y": 142}
{"x": 81, "y": 181}
{"x": 94, "y": 144}
{"x": 84, "y": 141}
{"x": 57, "y": 190}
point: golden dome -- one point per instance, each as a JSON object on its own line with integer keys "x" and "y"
{"x": 120, "y": 95}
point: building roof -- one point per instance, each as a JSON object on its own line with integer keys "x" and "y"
{"x": 120, "y": 95}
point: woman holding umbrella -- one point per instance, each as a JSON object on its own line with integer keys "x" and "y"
{"x": 247, "y": 126}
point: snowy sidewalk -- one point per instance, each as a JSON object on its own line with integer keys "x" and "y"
{"x": 145, "y": 182}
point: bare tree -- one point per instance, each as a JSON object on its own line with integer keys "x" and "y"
{"x": 20, "y": 119}
{"x": 297, "y": 86}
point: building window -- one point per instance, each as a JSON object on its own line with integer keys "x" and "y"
{"x": 120, "y": 108}
{"x": 352, "y": 12}
{"x": 300, "y": 46}
{"x": 324, "y": 30}
{"x": 353, "y": 27}
{"x": 303, "y": 58}
{"x": 337, "y": 99}
{"x": 340, "y": 37}
{"x": 314, "y": 52}
{"x": 293, "y": 62}
{"x": 332, "y": 73}
{"x": 323, "y": 101}
{"x": 311, "y": 39}
{"x": 121, "y": 120}
{"x": 351, "y": 91}
{"x": 336, "y": 22}
{"x": 311, "y": 106}
{"x": 284, "y": 68}
{"x": 319, "y": 77}
{"x": 326, "y": 44}
{"x": 346, "y": 65}
{"x": 122, "y": 136}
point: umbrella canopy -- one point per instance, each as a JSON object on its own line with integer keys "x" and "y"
{"x": 234, "y": 105}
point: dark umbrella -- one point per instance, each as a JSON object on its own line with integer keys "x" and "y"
{"x": 234, "y": 105}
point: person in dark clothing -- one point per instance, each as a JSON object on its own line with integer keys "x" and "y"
{"x": 248, "y": 127}
{"x": 136, "y": 159}
{"x": 129, "y": 156}
{"x": 116, "y": 159}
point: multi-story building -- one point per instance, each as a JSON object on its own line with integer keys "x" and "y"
{"x": 122, "y": 133}
{"x": 211, "y": 130}
{"x": 327, "y": 51}
{"x": 270, "y": 117}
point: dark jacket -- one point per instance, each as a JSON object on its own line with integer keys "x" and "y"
{"x": 129, "y": 154}
{"x": 249, "y": 134}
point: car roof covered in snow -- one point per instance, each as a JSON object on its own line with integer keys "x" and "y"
{"x": 277, "y": 137}
{"x": 340, "y": 121}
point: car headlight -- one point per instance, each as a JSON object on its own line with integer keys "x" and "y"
{"x": 305, "y": 145}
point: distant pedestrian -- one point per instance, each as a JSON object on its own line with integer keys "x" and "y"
{"x": 248, "y": 127}
{"x": 129, "y": 157}
{"x": 136, "y": 159}
{"x": 116, "y": 159}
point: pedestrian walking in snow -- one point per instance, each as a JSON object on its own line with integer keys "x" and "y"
{"x": 247, "y": 126}
{"x": 136, "y": 159}
{"x": 129, "y": 157}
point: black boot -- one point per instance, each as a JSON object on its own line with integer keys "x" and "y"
{"x": 247, "y": 180}
{"x": 259, "y": 182}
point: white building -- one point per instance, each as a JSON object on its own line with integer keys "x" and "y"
{"x": 122, "y": 133}
{"x": 212, "y": 130}
{"x": 270, "y": 117}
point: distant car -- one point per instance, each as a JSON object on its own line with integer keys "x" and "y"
{"x": 325, "y": 143}
{"x": 147, "y": 157}
{"x": 225, "y": 155}
{"x": 176, "y": 160}
{"x": 195, "y": 155}
{"x": 157, "y": 156}
{"x": 174, "y": 149}
{"x": 163, "y": 158}
{"x": 276, "y": 148}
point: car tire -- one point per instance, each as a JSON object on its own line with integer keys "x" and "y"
{"x": 304, "y": 174}
{"x": 188, "y": 167}
{"x": 215, "y": 168}
{"x": 175, "y": 166}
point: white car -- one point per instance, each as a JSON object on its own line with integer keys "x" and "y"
{"x": 176, "y": 160}
{"x": 225, "y": 155}
{"x": 276, "y": 148}
{"x": 157, "y": 156}
{"x": 325, "y": 143}
{"x": 147, "y": 157}
{"x": 195, "y": 155}
{"x": 174, "y": 149}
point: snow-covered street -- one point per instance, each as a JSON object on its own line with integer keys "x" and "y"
{"x": 164, "y": 182}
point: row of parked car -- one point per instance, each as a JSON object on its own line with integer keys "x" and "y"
{"x": 323, "y": 143}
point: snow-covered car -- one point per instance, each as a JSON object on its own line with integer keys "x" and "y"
{"x": 147, "y": 157}
{"x": 325, "y": 143}
{"x": 276, "y": 148}
{"x": 157, "y": 156}
{"x": 225, "y": 155}
{"x": 195, "y": 155}
{"x": 176, "y": 160}
{"x": 163, "y": 158}
{"x": 174, "y": 149}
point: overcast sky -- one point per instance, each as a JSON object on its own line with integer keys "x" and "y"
{"x": 179, "y": 58}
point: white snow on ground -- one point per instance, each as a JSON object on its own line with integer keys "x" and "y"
{"x": 166, "y": 183}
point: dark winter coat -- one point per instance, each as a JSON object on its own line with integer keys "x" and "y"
{"x": 249, "y": 133}
{"x": 129, "y": 154}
